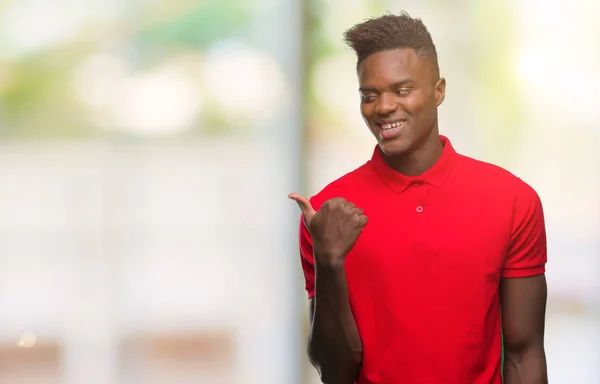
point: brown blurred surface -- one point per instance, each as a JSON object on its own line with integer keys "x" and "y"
{"x": 39, "y": 364}
{"x": 182, "y": 358}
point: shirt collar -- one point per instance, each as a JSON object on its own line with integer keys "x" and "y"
{"x": 436, "y": 175}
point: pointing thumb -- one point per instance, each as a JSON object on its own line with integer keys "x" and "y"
{"x": 307, "y": 210}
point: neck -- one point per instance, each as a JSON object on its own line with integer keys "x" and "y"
{"x": 421, "y": 159}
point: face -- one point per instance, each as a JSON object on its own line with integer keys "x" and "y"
{"x": 400, "y": 93}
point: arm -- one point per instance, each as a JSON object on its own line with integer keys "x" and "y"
{"x": 334, "y": 345}
{"x": 523, "y": 293}
{"x": 523, "y": 304}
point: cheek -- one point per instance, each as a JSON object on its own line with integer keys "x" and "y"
{"x": 420, "y": 108}
{"x": 414, "y": 104}
{"x": 366, "y": 110}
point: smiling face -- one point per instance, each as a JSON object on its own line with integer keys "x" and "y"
{"x": 400, "y": 93}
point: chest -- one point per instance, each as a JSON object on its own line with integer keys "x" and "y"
{"x": 420, "y": 240}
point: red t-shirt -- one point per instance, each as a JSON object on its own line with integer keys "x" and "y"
{"x": 423, "y": 277}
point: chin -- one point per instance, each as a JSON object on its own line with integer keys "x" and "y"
{"x": 395, "y": 147}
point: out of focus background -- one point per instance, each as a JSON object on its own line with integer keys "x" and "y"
{"x": 147, "y": 148}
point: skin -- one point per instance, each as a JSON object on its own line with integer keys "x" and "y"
{"x": 334, "y": 345}
{"x": 399, "y": 85}
{"x": 523, "y": 303}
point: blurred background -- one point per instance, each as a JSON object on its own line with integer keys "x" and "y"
{"x": 147, "y": 148}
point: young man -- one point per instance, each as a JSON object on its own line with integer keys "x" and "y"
{"x": 422, "y": 262}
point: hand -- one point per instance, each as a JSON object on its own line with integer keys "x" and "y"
{"x": 334, "y": 228}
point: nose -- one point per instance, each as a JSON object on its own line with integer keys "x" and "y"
{"x": 386, "y": 104}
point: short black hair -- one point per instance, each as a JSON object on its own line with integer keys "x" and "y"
{"x": 390, "y": 32}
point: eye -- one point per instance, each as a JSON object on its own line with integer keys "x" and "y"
{"x": 367, "y": 98}
{"x": 403, "y": 92}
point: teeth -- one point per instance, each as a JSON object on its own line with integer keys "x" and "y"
{"x": 395, "y": 124}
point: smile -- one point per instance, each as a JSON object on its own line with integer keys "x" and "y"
{"x": 395, "y": 124}
{"x": 391, "y": 130}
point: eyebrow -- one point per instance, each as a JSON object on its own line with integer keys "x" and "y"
{"x": 366, "y": 88}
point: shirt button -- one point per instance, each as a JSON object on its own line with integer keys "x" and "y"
{"x": 419, "y": 209}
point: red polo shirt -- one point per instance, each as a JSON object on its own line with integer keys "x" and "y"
{"x": 423, "y": 276}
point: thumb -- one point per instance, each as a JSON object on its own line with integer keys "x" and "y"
{"x": 307, "y": 210}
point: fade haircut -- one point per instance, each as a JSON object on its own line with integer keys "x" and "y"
{"x": 390, "y": 32}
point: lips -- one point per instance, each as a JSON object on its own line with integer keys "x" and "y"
{"x": 391, "y": 129}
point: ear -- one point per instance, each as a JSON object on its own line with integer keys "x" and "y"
{"x": 440, "y": 91}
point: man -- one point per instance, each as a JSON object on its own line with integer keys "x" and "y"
{"x": 422, "y": 264}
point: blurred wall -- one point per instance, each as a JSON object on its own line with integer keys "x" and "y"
{"x": 146, "y": 150}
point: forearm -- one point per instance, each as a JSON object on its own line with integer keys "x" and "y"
{"x": 525, "y": 365}
{"x": 335, "y": 348}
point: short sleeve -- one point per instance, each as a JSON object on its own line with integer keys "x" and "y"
{"x": 527, "y": 250}
{"x": 306, "y": 257}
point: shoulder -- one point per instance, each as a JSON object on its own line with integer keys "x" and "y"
{"x": 494, "y": 179}
{"x": 344, "y": 186}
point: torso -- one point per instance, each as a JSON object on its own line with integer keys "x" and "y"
{"x": 418, "y": 285}
{"x": 423, "y": 277}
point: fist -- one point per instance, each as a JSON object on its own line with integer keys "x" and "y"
{"x": 334, "y": 229}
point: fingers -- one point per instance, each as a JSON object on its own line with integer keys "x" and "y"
{"x": 348, "y": 207}
{"x": 358, "y": 211}
{"x": 307, "y": 210}
{"x": 360, "y": 214}
{"x": 340, "y": 201}
{"x": 364, "y": 220}
{"x": 335, "y": 203}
